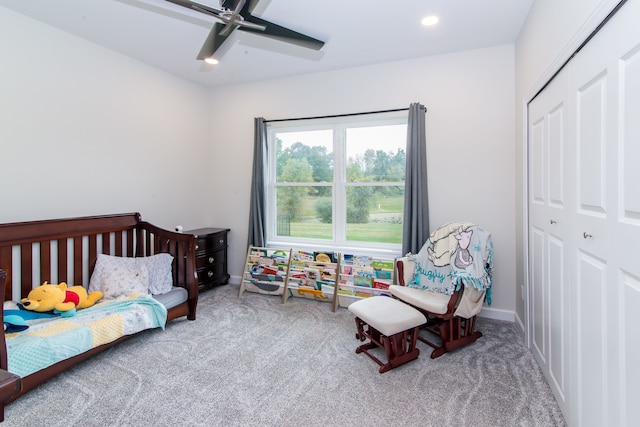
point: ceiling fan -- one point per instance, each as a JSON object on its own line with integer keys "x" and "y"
{"x": 236, "y": 14}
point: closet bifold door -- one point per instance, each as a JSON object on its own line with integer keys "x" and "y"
{"x": 605, "y": 92}
{"x": 584, "y": 227}
{"x": 549, "y": 205}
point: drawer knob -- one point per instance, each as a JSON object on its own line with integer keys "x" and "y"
{"x": 197, "y": 247}
{"x": 221, "y": 241}
{"x": 210, "y": 273}
{"x": 211, "y": 259}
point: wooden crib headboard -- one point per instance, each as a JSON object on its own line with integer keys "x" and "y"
{"x": 65, "y": 250}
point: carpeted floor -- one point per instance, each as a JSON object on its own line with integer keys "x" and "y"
{"x": 253, "y": 361}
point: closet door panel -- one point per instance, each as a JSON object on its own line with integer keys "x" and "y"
{"x": 548, "y": 207}
{"x": 538, "y": 295}
{"x": 591, "y": 148}
{"x": 630, "y": 137}
{"x": 630, "y": 354}
{"x": 558, "y": 312}
{"x": 556, "y": 132}
{"x": 593, "y": 350}
{"x": 537, "y": 155}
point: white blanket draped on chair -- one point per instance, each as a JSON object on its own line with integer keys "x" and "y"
{"x": 456, "y": 253}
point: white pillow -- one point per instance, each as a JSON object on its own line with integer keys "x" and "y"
{"x": 121, "y": 280}
{"x": 160, "y": 272}
{"x": 105, "y": 264}
{"x": 157, "y": 267}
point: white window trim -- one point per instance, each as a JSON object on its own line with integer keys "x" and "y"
{"x": 339, "y": 185}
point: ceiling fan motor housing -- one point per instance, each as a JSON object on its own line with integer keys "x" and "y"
{"x": 229, "y": 4}
{"x": 236, "y": 14}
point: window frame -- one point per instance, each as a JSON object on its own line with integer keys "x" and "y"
{"x": 339, "y": 185}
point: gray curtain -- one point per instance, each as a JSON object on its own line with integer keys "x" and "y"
{"x": 257, "y": 225}
{"x": 415, "y": 227}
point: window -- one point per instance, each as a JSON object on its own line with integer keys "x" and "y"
{"x": 337, "y": 183}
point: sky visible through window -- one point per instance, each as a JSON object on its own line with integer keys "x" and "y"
{"x": 378, "y": 138}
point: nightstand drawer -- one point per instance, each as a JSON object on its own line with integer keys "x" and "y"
{"x": 212, "y": 273}
{"x": 209, "y": 259}
{"x": 211, "y": 242}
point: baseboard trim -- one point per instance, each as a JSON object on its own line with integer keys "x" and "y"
{"x": 498, "y": 314}
{"x": 489, "y": 313}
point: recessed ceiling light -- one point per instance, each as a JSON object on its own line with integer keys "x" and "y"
{"x": 212, "y": 61}
{"x": 430, "y": 20}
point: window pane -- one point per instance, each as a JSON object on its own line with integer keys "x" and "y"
{"x": 304, "y": 212}
{"x": 338, "y": 182}
{"x": 376, "y": 153}
{"x": 304, "y": 156}
{"x": 374, "y": 214}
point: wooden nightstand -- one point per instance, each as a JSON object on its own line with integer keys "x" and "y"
{"x": 211, "y": 256}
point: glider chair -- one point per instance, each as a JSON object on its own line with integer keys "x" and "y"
{"x": 448, "y": 281}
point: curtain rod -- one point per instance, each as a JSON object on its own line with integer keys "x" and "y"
{"x": 341, "y": 115}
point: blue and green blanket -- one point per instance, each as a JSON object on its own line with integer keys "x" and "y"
{"x": 456, "y": 253}
{"x": 45, "y": 343}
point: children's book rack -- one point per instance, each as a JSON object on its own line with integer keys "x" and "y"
{"x": 336, "y": 278}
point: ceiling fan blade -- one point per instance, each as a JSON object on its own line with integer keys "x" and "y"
{"x": 248, "y": 8}
{"x": 213, "y": 42}
{"x": 278, "y": 32}
{"x": 197, "y": 6}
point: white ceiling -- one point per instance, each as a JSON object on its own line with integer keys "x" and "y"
{"x": 356, "y": 32}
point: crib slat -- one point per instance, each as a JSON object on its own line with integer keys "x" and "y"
{"x": 62, "y": 260}
{"x": 157, "y": 244}
{"x": 147, "y": 244}
{"x": 139, "y": 244}
{"x": 26, "y": 273}
{"x": 93, "y": 243}
{"x": 45, "y": 261}
{"x": 77, "y": 260}
{"x": 164, "y": 246}
{"x": 178, "y": 255}
{"x": 106, "y": 243}
{"x": 130, "y": 239}
{"x": 118, "y": 235}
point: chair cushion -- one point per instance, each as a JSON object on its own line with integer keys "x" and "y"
{"x": 433, "y": 302}
{"x": 389, "y": 316}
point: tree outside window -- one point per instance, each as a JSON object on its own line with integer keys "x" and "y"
{"x": 338, "y": 183}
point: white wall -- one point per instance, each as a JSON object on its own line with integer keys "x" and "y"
{"x": 84, "y": 131}
{"x": 552, "y": 31}
{"x": 470, "y": 147}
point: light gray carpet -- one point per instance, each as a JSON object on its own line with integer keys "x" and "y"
{"x": 253, "y": 361}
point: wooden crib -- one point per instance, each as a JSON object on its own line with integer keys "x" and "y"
{"x": 65, "y": 250}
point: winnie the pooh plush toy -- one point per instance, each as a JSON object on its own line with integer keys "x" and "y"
{"x": 59, "y": 298}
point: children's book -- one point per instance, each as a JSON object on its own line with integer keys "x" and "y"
{"x": 327, "y": 257}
